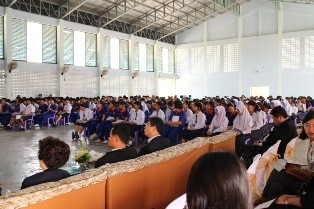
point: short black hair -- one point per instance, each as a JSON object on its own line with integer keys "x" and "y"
{"x": 53, "y": 152}
{"x": 178, "y": 104}
{"x": 198, "y": 105}
{"x": 122, "y": 131}
{"x": 156, "y": 121}
{"x": 254, "y": 104}
{"x": 279, "y": 111}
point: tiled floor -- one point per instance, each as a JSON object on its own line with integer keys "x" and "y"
{"x": 18, "y": 152}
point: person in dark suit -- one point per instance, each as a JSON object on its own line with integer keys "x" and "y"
{"x": 118, "y": 140}
{"x": 53, "y": 153}
{"x": 153, "y": 130}
{"x": 284, "y": 130}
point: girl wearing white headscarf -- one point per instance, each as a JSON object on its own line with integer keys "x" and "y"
{"x": 274, "y": 103}
{"x": 242, "y": 125}
{"x": 219, "y": 123}
{"x": 287, "y": 106}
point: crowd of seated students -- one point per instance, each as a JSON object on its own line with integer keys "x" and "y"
{"x": 117, "y": 119}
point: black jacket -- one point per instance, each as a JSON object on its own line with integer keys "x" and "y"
{"x": 284, "y": 132}
{"x": 48, "y": 175}
{"x": 127, "y": 153}
{"x": 157, "y": 143}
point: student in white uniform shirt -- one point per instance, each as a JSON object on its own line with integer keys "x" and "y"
{"x": 195, "y": 124}
{"x": 137, "y": 119}
{"x": 187, "y": 111}
{"x": 85, "y": 115}
{"x": 170, "y": 107}
{"x": 27, "y": 113}
{"x": 158, "y": 112}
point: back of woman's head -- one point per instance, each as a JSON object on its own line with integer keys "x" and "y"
{"x": 218, "y": 180}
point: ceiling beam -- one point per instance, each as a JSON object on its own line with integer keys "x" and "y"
{"x": 188, "y": 17}
{"x": 74, "y": 8}
{"x": 230, "y": 5}
{"x": 181, "y": 5}
{"x": 11, "y": 3}
{"x": 292, "y": 1}
{"x": 133, "y": 4}
{"x": 195, "y": 22}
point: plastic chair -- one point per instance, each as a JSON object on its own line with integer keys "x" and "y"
{"x": 30, "y": 121}
{"x": 65, "y": 120}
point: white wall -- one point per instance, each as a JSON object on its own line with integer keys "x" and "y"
{"x": 79, "y": 81}
{"x": 259, "y": 50}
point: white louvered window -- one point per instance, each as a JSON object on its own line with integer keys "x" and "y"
{"x": 68, "y": 46}
{"x": 79, "y": 48}
{"x": 49, "y": 44}
{"x": 213, "y": 59}
{"x": 90, "y": 49}
{"x": 165, "y": 60}
{"x": 32, "y": 83}
{"x": 197, "y": 60}
{"x": 290, "y": 53}
{"x": 159, "y": 59}
{"x": 171, "y": 60}
{"x": 149, "y": 58}
{"x": 19, "y": 39}
{"x": 106, "y": 48}
{"x": 1, "y": 38}
{"x": 309, "y": 52}
{"x": 231, "y": 56}
{"x": 136, "y": 52}
{"x": 124, "y": 54}
{"x": 83, "y": 84}
{"x": 182, "y": 61}
{"x": 34, "y": 42}
{"x": 142, "y": 57}
{"x": 114, "y": 53}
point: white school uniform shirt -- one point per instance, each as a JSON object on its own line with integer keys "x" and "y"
{"x": 269, "y": 118}
{"x": 189, "y": 114}
{"x": 67, "y": 108}
{"x": 22, "y": 107}
{"x": 144, "y": 106}
{"x": 264, "y": 116}
{"x": 87, "y": 113}
{"x": 220, "y": 121}
{"x": 198, "y": 120}
{"x": 168, "y": 112}
{"x": 295, "y": 110}
{"x": 137, "y": 117}
{"x": 159, "y": 114}
{"x": 257, "y": 119}
{"x": 29, "y": 110}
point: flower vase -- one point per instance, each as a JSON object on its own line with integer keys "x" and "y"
{"x": 83, "y": 166}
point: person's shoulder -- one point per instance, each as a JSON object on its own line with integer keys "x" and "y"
{"x": 159, "y": 139}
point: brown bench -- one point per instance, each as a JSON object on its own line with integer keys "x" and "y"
{"x": 150, "y": 181}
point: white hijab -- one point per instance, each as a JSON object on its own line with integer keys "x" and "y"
{"x": 243, "y": 121}
{"x": 276, "y": 103}
{"x": 220, "y": 113}
{"x": 287, "y": 106}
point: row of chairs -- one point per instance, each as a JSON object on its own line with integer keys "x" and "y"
{"x": 30, "y": 122}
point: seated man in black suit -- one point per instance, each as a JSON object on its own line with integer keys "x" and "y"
{"x": 53, "y": 153}
{"x": 153, "y": 130}
{"x": 118, "y": 140}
